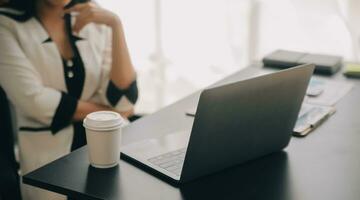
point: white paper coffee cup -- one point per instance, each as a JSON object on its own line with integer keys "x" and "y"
{"x": 103, "y": 135}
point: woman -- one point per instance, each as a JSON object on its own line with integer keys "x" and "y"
{"x": 57, "y": 65}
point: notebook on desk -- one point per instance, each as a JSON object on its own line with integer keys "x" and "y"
{"x": 324, "y": 64}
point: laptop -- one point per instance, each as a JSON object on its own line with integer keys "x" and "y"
{"x": 234, "y": 123}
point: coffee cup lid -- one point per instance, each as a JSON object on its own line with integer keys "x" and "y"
{"x": 103, "y": 120}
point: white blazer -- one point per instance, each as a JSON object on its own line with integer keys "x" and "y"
{"x": 32, "y": 74}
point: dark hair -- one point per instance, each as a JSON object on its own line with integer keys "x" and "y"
{"x": 25, "y": 7}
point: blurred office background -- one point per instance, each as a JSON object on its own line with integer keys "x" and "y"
{"x": 179, "y": 47}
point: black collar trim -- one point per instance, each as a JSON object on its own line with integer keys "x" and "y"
{"x": 47, "y": 40}
{"x": 76, "y": 38}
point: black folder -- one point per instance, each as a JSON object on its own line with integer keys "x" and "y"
{"x": 325, "y": 64}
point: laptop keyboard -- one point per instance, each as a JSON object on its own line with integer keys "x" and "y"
{"x": 171, "y": 161}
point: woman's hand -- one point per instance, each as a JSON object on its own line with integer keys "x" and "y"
{"x": 90, "y": 12}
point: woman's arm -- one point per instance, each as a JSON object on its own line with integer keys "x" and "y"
{"x": 119, "y": 81}
{"x": 122, "y": 71}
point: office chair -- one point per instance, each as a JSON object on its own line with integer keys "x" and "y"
{"x": 9, "y": 178}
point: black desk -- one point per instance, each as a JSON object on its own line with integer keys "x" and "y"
{"x": 324, "y": 165}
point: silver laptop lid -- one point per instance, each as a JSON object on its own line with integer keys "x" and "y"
{"x": 257, "y": 119}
